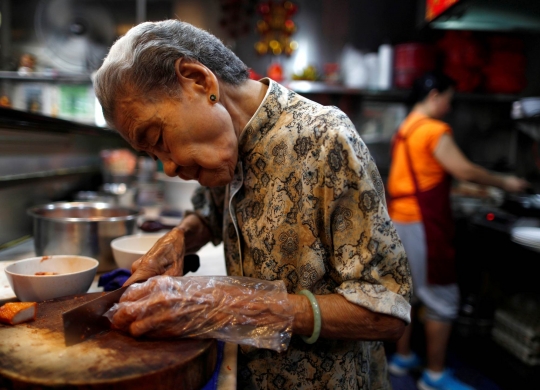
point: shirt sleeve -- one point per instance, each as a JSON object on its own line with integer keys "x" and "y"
{"x": 367, "y": 254}
{"x": 433, "y": 132}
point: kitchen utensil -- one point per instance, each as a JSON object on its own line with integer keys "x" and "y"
{"x": 81, "y": 228}
{"x": 74, "y": 276}
{"x": 127, "y": 249}
{"x": 152, "y": 226}
{"x": 34, "y": 355}
{"x": 87, "y": 320}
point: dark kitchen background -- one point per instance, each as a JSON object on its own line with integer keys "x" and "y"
{"x": 360, "y": 55}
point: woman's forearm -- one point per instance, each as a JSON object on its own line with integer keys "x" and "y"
{"x": 343, "y": 320}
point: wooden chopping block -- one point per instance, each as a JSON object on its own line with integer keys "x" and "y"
{"x": 33, "y": 356}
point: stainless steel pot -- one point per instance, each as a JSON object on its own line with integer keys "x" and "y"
{"x": 81, "y": 228}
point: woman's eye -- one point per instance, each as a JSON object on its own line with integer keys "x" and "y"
{"x": 158, "y": 138}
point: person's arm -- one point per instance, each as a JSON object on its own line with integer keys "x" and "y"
{"x": 371, "y": 302}
{"x": 197, "y": 228}
{"x": 343, "y": 320}
{"x": 456, "y": 164}
{"x": 196, "y": 233}
{"x": 166, "y": 257}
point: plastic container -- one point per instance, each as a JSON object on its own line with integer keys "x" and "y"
{"x": 411, "y": 61}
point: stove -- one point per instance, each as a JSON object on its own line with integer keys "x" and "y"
{"x": 495, "y": 219}
{"x": 522, "y": 205}
{"x": 490, "y": 265}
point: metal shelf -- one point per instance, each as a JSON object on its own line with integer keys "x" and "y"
{"x": 52, "y": 173}
{"x": 23, "y": 120}
{"x": 72, "y": 78}
{"x": 319, "y": 87}
{"x": 521, "y": 16}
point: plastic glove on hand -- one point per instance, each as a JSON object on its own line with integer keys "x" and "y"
{"x": 236, "y": 309}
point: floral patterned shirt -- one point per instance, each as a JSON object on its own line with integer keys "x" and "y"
{"x": 307, "y": 206}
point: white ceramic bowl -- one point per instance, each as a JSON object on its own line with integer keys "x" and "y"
{"x": 127, "y": 249}
{"x": 177, "y": 192}
{"x": 73, "y": 275}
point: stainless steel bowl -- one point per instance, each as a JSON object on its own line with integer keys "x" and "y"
{"x": 81, "y": 228}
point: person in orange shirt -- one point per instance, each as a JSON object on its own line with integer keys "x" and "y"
{"x": 425, "y": 158}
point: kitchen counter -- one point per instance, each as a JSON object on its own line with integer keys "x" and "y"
{"x": 212, "y": 263}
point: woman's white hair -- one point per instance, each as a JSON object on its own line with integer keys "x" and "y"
{"x": 142, "y": 61}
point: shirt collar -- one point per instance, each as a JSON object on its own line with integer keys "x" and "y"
{"x": 265, "y": 118}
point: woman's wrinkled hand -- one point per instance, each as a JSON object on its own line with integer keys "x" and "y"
{"x": 166, "y": 257}
{"x": 240, "y": 310}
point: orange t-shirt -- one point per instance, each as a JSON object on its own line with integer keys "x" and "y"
{"x": 429, "y": 172}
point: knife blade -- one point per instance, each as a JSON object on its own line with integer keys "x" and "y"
{"x": 87, "y": 319}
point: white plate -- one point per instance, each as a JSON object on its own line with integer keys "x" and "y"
{"x": 526, "y": 242}
{"x": 526, "y": 233}
{"x": 525, "y": 238}
{"x": 6, "y": 293}
{"x": 534, "y": 248}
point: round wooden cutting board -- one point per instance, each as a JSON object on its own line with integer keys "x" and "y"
{"x": 33, "y": 355}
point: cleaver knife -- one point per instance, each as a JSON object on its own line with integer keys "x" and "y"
{"x": 87, "y": 320}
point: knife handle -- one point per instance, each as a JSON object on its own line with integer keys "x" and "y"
{"x": 191, "y": 263}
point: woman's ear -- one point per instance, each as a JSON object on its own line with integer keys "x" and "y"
{"x": 192, "y": 74}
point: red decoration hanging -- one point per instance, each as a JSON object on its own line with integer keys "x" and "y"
{"x": 276, "y": 27}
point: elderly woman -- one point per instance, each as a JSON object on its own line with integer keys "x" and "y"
{"x": 317, "y": 276}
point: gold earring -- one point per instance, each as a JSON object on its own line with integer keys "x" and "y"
{"x": 213, "y": 97}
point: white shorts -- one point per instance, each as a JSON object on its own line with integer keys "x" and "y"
{"x": 441, "y": 301}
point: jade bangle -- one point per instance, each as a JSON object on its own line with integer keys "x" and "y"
{"x": 316, "y": 317}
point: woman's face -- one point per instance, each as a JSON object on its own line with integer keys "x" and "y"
{"x": 192, "y": 136}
